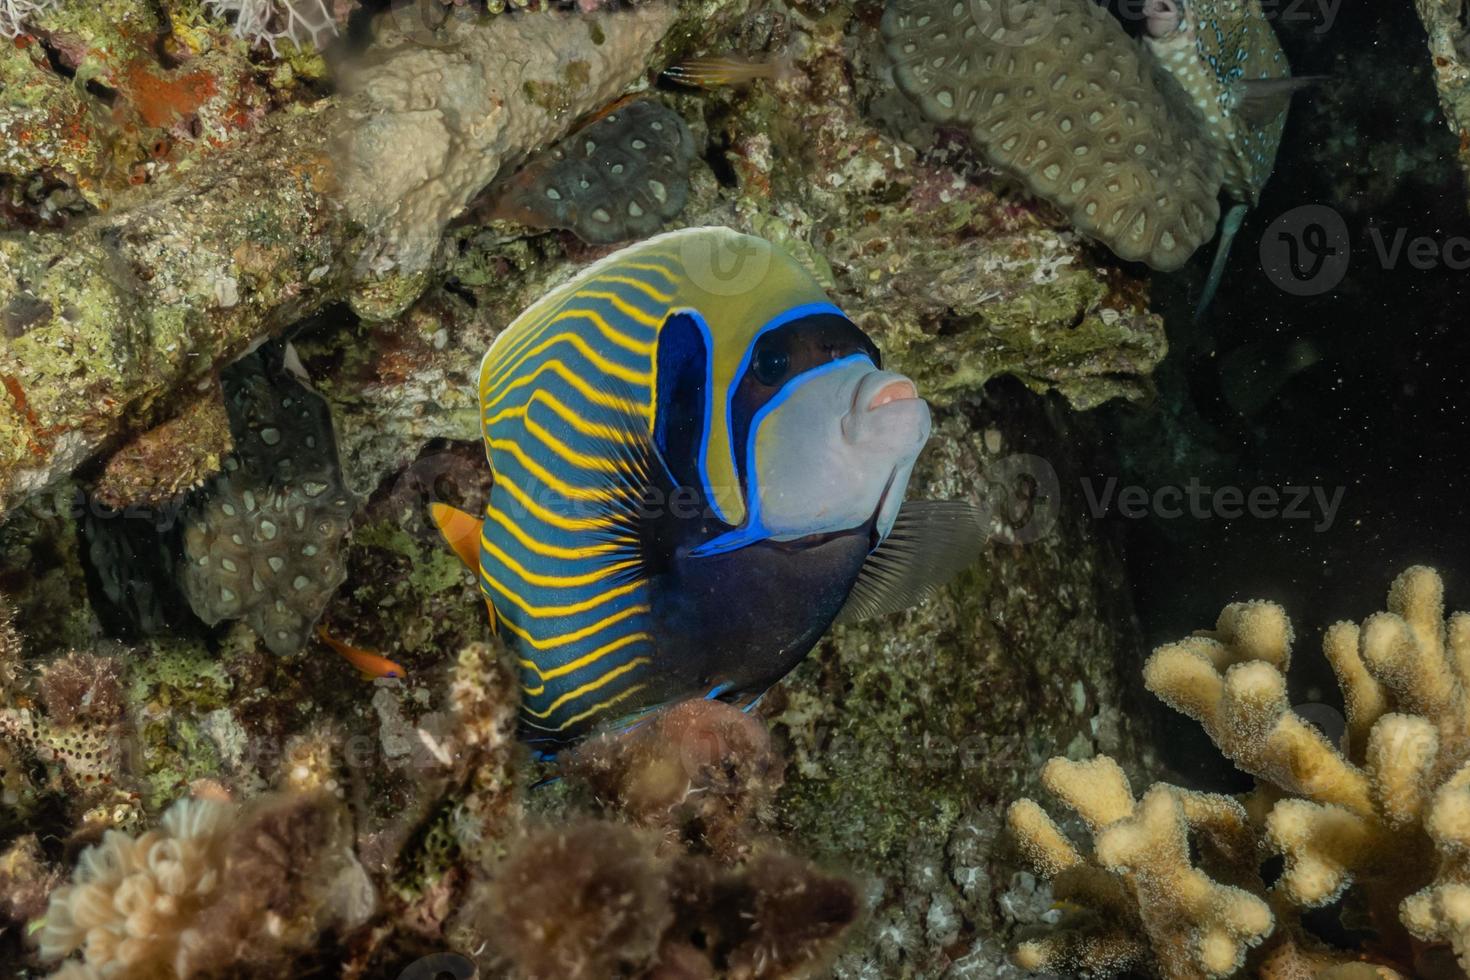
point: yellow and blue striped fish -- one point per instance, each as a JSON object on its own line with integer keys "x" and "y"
{"x": 698, "y": 464}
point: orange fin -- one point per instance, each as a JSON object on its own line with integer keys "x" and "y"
{"x": 494, "y": 620}
{"x": 461, "y": 531}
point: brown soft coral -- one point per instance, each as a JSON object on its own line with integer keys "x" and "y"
{"x": 581, "y": 903}
{"x": 599, "y": 899}
{"x": 700, "y": 772}
{"x": 213, "y": 887}
{"x": 81, "y": 731}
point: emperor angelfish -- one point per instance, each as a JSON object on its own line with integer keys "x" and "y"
{"x": 698, "y": 464}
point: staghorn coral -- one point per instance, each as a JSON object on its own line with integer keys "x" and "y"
{"x": 1382, "y": 822}
{"x": 262, "y": 541}
{"x": 214, "y": 888}
{"x": 621, "y": 177}
{"x": 1141, "y": 900}
{"x": 700, "y": 772}
{"x": 1390, "y": 814}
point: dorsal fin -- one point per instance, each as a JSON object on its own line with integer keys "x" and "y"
{"x": 461, "y": 530}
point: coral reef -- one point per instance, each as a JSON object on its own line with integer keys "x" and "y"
{"x": 77, "y": 731}
{"x": 616, "y": 907}
{"x": 155, "y": 467}
{"x": 1128, "y": 164}
{"x": 701, "y": 772}
{"x": 262, "y": 541}
{"x": 1142, "y": 900}
{"x": 621, "y": 177}
{"x": 222, "y": 273}
{"x": 1132, "y": 144}
{"x": 301, "y": 22}
{"x": 212, "y": 888}
{"x": 1377, "y": 823}
{"x": 14, "y": 12}
{"x": 1449, "y": 48}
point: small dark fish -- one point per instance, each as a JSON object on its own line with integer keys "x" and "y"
{"x": 728, "y": 70}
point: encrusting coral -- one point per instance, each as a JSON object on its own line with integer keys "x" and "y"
{"x": 621, "y": 177}
{"x": 1381, "y": 823}
{"x": 76, "y": 730}
{"x": 214, "y": 887}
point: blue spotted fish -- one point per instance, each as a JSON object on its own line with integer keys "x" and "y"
{"x": 698, "y": 465}
{"x": 1226, "y": 57}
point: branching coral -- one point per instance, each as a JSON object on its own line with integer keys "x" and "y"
{"x": 213, "y": 886}
{"x": 1141, "y": 896}
{"x": 1382, "y": 822}
{"x": 301, "y": 22}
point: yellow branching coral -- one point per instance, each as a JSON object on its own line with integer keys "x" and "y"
{"x": 1139, "y": 899}
{"x": 1386, "y": 813}
{"x": 1390, "y": 811}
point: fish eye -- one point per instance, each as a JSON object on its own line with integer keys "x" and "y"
{"x": 770, "y": 365}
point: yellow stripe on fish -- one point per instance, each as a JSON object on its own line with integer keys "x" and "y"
{"x": 680, "y": 374}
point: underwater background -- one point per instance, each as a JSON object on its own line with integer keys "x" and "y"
{"x": 256, "y": 719}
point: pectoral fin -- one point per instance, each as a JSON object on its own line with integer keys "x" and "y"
{"x": 932, "y": 541}
{"x": 461, "y": 531}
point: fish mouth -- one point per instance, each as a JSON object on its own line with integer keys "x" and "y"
{"x": 899, "y": 390}
{"x": 881, "y": 401}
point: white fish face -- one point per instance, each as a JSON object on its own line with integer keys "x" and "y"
{"x": 836, "y": 449}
